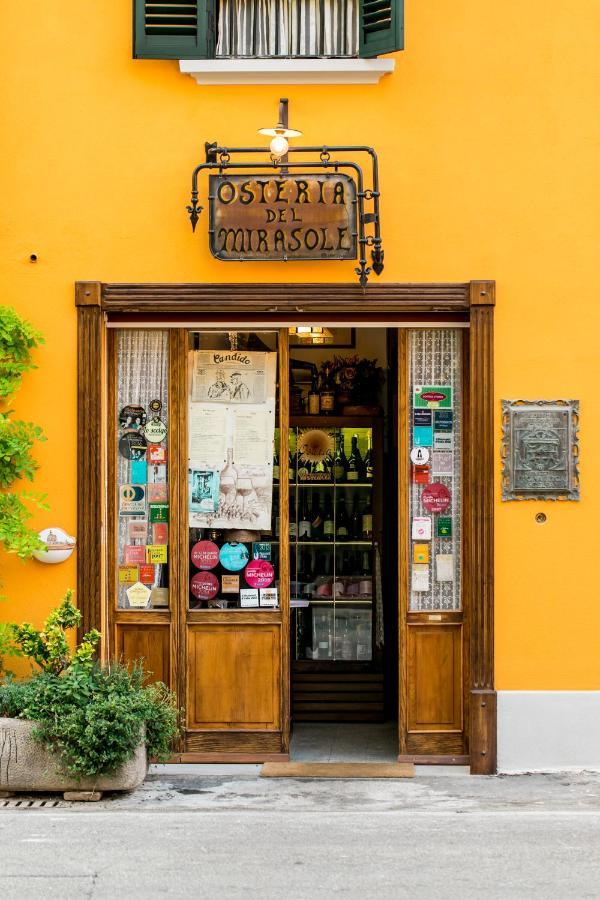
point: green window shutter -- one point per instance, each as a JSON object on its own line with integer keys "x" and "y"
{"x": 174, "y": 29}
{"x": 381, "y": 26}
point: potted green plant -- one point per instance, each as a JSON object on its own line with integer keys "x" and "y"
{"x": 76, "y": 726}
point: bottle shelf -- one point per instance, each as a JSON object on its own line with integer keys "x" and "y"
{"x": 330, "y": 484}
{"x": 337, "y": 543}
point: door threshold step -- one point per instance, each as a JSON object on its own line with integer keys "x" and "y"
{"x": 337, "y": 770}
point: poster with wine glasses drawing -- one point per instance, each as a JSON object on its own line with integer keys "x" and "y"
{"x": 230, "y": 471}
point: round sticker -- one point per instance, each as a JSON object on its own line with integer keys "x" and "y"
{"x": 155, "y": 431}
{"x": 259, "y": 573}
{"x": 132, "y": 445}
{"x": 205, "y": 555}
{"x": 234, "y": 557}
{"x": 436, "y": 497}
{"x": 419, "y": 456}
{"x": 204, "y": 585}
{"x": 132, "y": 417}
{"x": 155, "y": 406}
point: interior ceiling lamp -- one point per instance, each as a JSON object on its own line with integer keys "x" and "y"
{"x": 312, "y": 334}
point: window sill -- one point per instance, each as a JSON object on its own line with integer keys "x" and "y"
{"x": 286, "y": 71}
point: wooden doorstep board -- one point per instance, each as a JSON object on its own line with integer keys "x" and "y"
{"x": 337, "y": 770}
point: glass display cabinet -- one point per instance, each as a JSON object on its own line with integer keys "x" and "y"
{"x": 335, "y": 582}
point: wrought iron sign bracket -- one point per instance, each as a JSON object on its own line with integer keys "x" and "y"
{"x": 365, "y": 199}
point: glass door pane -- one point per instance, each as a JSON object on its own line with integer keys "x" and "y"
{"x": 233, "y": 470}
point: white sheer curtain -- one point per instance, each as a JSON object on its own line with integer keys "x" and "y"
{"x": 288, "y": 28}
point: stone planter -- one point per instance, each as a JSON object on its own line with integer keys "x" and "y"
{"x": 26, "y": 766}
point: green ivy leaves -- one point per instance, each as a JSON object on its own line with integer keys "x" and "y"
{"x": 17, "y": 340}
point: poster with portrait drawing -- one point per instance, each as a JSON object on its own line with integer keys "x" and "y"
{"x": 229, "y": 376}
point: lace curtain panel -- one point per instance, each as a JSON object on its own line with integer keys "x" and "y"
{"x": 287, "y": 28}
{"x": 142, "y": 376}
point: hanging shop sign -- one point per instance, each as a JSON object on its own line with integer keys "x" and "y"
{"x": 323, "y": 207}
{"x": 540, "y": 450}
{"x": 284, "y": 217}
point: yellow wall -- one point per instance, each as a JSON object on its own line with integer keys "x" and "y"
{"x": 487, "y": 135}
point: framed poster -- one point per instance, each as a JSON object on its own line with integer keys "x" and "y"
{"x": 540, "y": 450}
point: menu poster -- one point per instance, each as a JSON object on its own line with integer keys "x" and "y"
{"x": 243, "y": 476}
{"x": 229, "y": 376}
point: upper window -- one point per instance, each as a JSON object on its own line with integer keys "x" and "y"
{"x": 236, "y": 29}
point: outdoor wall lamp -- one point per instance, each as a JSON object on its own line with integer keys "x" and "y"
{"x": 279, "y": 146}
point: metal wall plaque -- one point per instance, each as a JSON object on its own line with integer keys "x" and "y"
{"x": 283, "y": 216}
{"x": 540, "y": 450}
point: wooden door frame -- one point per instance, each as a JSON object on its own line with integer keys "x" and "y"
{"x": 276, "y": 304}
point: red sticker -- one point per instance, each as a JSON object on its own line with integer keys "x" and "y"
{"x": 157, "y": 455}
{"x": 420, "y": 474}
{"x": 205, "y": 555}
{"x": 147, "y": 574}
{"x": 204, "y": 585}
{"x": 436, "y": 497}
{"x": 135, "y": 554}
{"x": 259, "y": 573}
{"x": 433, "y": 396}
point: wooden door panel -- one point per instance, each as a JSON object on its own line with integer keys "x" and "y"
{"x": 234, "y": 677}
{"x": 434, "y": 678}
{"x": 150, "y": 643}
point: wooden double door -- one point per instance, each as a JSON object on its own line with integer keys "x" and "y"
{"x": 231, "y": 668}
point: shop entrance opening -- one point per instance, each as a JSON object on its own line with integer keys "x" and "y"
{"x": 289, "y": 541}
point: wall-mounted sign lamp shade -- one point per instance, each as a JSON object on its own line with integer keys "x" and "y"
{"x": 279, "y": 145}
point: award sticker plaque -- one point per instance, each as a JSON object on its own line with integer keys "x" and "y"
{"x": 540, "y": 450}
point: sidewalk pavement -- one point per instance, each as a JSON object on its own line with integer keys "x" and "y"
{"x": 224, "y": 832}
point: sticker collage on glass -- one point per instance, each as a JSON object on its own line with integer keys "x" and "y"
{"x": 432, "y": 465}
{"x": 143, "y": 507}
{"x": 244, "y": 571}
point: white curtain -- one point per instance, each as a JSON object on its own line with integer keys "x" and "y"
{"x": 288, "y": 28}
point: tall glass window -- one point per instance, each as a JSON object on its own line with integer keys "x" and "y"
{"x": 141, "y": 417}
{"x": 435, "y": 493}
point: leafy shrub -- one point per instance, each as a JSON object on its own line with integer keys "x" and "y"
{"x": 49, "y": 648}
{"x": 95, "y": 717}
{"x": 92, "y": 716}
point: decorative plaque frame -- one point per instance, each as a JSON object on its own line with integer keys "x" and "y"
{"x": 540, "y": 450}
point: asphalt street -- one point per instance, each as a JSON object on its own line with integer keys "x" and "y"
{"x": 242, "y": 836}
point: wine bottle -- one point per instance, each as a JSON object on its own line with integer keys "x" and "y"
{"x": 304, "y": 531}
{"x": 340, "y": 464}
{"x": 367, "y": 522}
{"x": 328, "y": 522}
{"x": 316, "y": 519}
{"x": 276, "y": 466}
{"x": 314, "y": 400}
{"x": 355, "y": 463}
{"x": 342, "y": 524}
{"x": 327, "y": 393}
{"x": 356, "y": 520}
{"x": 293, "y": 523}
{"x": 366, "y": 564}
{"x": 368, "y": 463}
{"x": 292, "y": 468}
